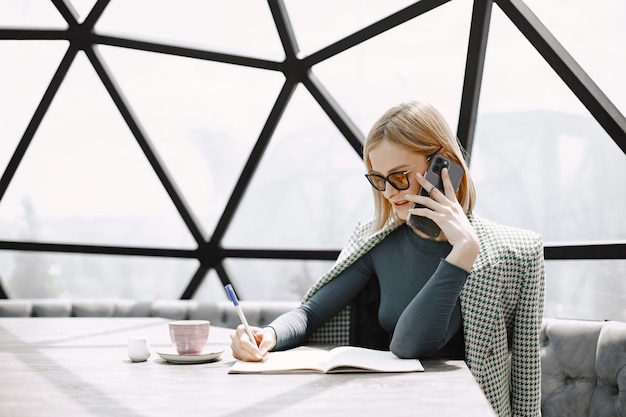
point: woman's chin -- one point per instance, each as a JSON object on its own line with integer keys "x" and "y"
{"x": 402, "y": 214}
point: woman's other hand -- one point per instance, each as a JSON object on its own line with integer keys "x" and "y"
{"x": 245, "y": 350}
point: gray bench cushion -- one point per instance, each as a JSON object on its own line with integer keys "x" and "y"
{"x": 583, "y": 368}
{"x": 220, "y": 313}
{"x": 16, "y": 308}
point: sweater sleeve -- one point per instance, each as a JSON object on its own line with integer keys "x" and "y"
{"x": 433, "y": 317}
{"x": 295, "y": 327}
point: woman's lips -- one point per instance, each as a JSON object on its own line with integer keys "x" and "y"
{"x": 400, "y": 203}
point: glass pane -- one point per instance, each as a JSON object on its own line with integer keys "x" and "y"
{"x": 82, "y": 8}
{"x": 595, "y": 35}
{"x": 201, "y": 117}
{"x": 243, "y": 27}
{"x": 30, "y": 14}
{"x": 274, "y": 279}
{"x": 420, "y": 60}
{"x": 84, "y": 178}
{"x": 23, "y": 84}
{"x": 40, "y": 275}
{"x": 309, "y": 189}
{"x": 592, "y": 290}
{"x": 323, "y": 22}
{"x": 517, "y": 78}
{"x": 540, "y": 161}
{"x": 211, "y": 289}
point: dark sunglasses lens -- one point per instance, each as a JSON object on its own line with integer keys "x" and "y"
{"x": 399, "y": 181}
{"x": 377, "y": 182}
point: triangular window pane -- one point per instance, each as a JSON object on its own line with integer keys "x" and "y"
{"x": 540, "y": 160}
{"x": 595, "y": 35}
{"x": 30, "y": 14}
{"x": 423, "y": 59}
{"x": 243, "y": 27}
{"x": 309, "y": 189}
{"x": 320, "y": 23}
{"x": 82, "y": 8}
{"x": 203, "y": 118}
{"x": 23, "y": 83}
{"x": 84, "y": 178}
{"x": 211, "y": 289}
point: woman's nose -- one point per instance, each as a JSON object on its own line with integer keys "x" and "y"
{"x": 390, "y": 190}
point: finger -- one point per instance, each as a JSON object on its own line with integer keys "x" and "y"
{"x": 426, "y": 212}
{"x": 447, "y": 184}
{"x": 234, "y": 345}
{"x": 244, "y": 353}
{"x": 427, "y": 201}
{"x": 242, "y": 348}
{"x": 424, "y": 183}
{"x": 258, "y": 335}
{"x": 248, "y": 347}
{"x": 264, "y": 345}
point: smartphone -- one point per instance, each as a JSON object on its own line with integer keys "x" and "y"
{"x": 433, "y": 175}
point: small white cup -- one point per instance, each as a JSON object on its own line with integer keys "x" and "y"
{"x": 138, "y": 349}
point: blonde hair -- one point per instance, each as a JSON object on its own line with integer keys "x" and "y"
{"x": 420, "y": 128}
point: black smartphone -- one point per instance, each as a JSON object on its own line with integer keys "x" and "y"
{"x": 433, "y": 175}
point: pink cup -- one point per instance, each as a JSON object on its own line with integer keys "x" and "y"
{"x": 189, "y": 336}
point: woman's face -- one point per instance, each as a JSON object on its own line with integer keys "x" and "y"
{"x": 387, "y": 158}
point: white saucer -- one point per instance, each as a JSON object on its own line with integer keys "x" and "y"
{"x": 206, "y": 356}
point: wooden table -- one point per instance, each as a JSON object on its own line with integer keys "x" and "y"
{"x": 79, "y": 367}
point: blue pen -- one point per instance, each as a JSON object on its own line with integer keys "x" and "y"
{"x": 231, "y": 294}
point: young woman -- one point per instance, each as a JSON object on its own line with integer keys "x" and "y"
{"x": 473, "y": 292}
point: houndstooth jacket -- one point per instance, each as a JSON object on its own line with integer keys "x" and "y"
{"x": 502, "y": 308}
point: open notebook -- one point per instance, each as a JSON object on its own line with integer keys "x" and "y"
{"x": 337, "y": 360}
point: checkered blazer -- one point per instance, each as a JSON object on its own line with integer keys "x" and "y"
{"x": 502, "y": 307}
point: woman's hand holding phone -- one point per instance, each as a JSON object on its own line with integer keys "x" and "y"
{"x": 455, "y": 172}
{"x": 444, "y": 209}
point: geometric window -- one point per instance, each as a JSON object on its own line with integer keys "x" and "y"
{"x": 191, "y": 148}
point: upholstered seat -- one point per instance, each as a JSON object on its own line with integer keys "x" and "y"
{"x": 220, "y": 313}
{"x": 583, "y": 368}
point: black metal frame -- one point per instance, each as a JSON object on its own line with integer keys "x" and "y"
{"x": 210, "y": 253}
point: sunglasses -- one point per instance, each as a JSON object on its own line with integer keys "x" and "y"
{"x": 399, "y": 180}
